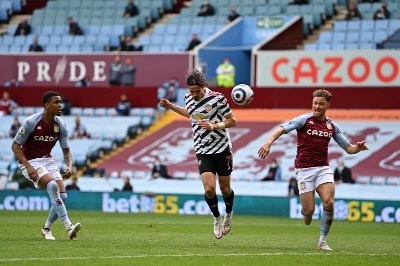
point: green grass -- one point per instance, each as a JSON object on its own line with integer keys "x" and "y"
{"x": 147, "y": 239}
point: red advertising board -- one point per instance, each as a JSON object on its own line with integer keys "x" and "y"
{"x": 328, "y": 68}
{"x": 66, "y": 69}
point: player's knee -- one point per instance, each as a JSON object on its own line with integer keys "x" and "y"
{"x": 64, "y": 196}
{"x": 328, "y": 204}
{"x": 210, "y": 193}
{"x": 52, "y": 186}
{"x": 226, "y": 191}
{"x": 308, "y": 210}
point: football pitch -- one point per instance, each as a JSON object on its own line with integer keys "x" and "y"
{"x": 150, "y": 239}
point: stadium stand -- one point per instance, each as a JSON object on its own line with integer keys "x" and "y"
{"x": 104, "y": 139}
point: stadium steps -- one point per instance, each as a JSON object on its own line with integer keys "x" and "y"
{"x": 341, "y": 14}
{"x": 15, "y": 20}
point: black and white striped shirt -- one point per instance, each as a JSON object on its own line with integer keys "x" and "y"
{"x": 213, "y": 107}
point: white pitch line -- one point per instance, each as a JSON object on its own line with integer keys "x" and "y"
{"x": 203, "y": 255}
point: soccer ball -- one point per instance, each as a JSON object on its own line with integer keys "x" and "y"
{"x": 242, "y": 94}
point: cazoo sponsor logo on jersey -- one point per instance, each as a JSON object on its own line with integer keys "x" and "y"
{"x": 46, "y": 138}
{"x": 319, "y": 133}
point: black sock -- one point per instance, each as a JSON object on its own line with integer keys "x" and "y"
{"x": 229, "y": 202}
{"x": 213, "y": 204}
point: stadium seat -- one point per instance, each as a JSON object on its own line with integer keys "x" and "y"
{"x": 337, "y": 46}
{"x": 325, "y": 37}
{"x": 339, "y": 37}
{"x": 367, "y": 25}
{"x": 382, "y": 24}
{"x": 353, "y": 37}
{"x": 127, "y": 173}
{"x": 363, "y": 180}
{"x": 179, "y": 175}
{"x": 353, "y": 25}
{"x": 20, "y": 40}
{"x": 393, "y": 180}
{"x": 366, "y": 37}
{"x": 351, "y": 46}
{"x": 378, "y": 180}
{"x": 340, "y": 25}
{"x": 379, "y": 36}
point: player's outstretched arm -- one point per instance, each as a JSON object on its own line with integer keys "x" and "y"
{"x": 356, "y": 148}
{"x": 177, "y": 109}
{"x": 265, "y": 148}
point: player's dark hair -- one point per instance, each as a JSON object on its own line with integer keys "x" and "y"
{"x": 196, "y": 78}
{"x": 323, "y": 93}
{"x": 48, "y": 95}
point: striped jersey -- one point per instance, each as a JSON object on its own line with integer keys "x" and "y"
{"x": 38, "y": 138}
{"x": 213, "y": 107}
{"x": 313, "y": 137}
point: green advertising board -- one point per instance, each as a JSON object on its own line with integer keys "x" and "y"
{"x": 125, "y": 202}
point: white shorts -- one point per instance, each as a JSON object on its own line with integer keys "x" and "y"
{"x": 308, "y": 179}
{"x": 43, "y": 166}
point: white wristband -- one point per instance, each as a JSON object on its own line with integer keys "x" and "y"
{"x": 221, "y": 125}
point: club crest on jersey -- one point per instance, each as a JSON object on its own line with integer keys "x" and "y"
{"x": 56, "y": 128}
{"x": 328, "y": 125}
{"x": 208, "y": 107}
{"x": 302, "y": 185}
{"x": 21, "y": 132}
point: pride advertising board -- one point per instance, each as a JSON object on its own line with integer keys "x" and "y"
{"x": 49, "y": 70}
{"x": 120, "y": 202}
{"x": 328, "y": 68}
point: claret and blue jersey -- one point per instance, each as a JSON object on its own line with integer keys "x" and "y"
{"x": 313, "y": 137}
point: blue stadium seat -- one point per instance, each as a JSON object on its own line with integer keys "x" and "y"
{"x": 74, "y": 48}
{"x": 60, "y": 29}
{"x": 106, "y": 29}
{"x": 55, "y": 40}
{"x": 67, "y": 39}
{"x": 11, "y": 29}
{"x": 324, "y": 46}
{"x": 340, "y": 25}
{"x": 78, "y": 40}
{"x": 310, "y": 47}
{"x": 367, "y": 25}
{"x": 366, "y": 37}
{"x": 87, "y": 48}
{"x": 381, "y": 24}
{"x": 353, "y": 25}
{"x": 7, "y": 40}
{"x": 351, "y": 46}
{"x": 20, "y": 40}
{"x": 353, "y": 37}
{"x": 337, "y": 46}
{"x": 15, "y": 48}
{"x": 51, "y": 48}
{"x": 367, "y": 46}
{"x": 47, "y": 29}
{"x": 325, "y": 37}
{"x": 63, "y": 48}
{"x": 379, "y": 36}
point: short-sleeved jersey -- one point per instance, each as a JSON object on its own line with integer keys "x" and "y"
{"x": 213, "y": 107}
{"x": 313, "y": 138}
{"x": 38, "y": 138}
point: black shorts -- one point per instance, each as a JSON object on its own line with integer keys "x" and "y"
{"x": 220, "y": 163}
